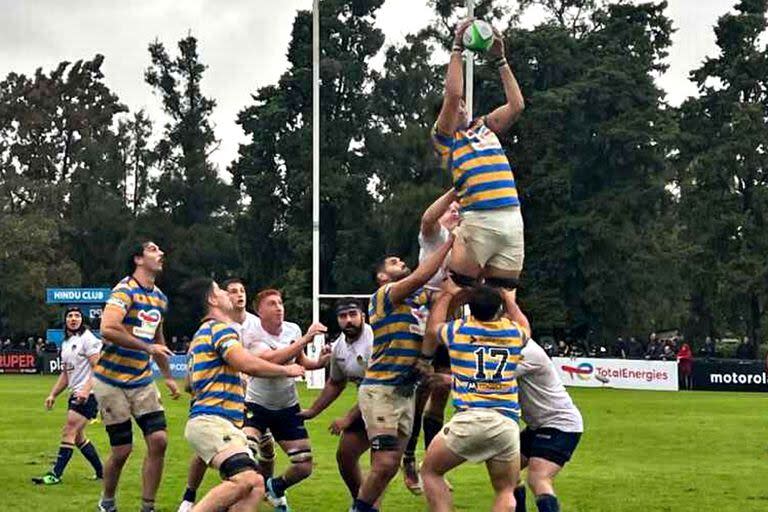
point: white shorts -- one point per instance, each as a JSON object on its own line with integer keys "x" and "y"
{"x": 494, "y": 237}
{"x": 209, "y": 435}
{"x": 480, "y": 435}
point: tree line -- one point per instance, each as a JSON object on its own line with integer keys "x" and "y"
{"x": 640, "y": 215}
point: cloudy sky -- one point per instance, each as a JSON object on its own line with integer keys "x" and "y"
{"x": 243, "y": 45}
{"x": 694, "y": 39}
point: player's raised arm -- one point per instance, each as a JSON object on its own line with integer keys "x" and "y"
{"x": 295, "y": 349}
{"x": 513, "y": 311}
{"x": 430, "y": 220}
{"x": 454, "y": 85}
{"x": 437, "y": 317}
{"x": 502, "y": 119}
{"x": 409, "y": 284}
{"x": 244, "y": 361}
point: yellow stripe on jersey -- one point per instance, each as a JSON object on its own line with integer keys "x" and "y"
{"x": 216, "y": 385}
{"x": 482, "y": 176}
{"x": 144, "y": 311}
{"x": 484, "y": 356}
{"x": 397, "y": 335}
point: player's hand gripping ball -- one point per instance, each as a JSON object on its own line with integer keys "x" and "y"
{"x": 478, "y": 37}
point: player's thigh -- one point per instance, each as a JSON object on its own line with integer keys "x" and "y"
{"x": 76, "y": 422}
{"x": 543, "y": 468}
{"x": 504, "y": 474}
{"x": 212, "y": 437}
{"x": 113, "y": 403}
{"x": 463, "y": 258}
{"x": 385, "y": 412}
{"x": 144, "y": 400}
{"x": 287, "y": 427}
{"x": 440, "y": 459}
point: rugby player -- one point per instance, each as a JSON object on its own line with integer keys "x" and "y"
{"x": 553, "y": 426}
{"x": 79, "y": 354}
{"x": 349, "y": 359}
{"x": 216, "y": 358}
{"x": 272, "y": 405}
{"x": 484, "y": 350}
{"x": 132, "y": 328}
{"x": 489, "y": 240}
{"x": 386, "y": 395}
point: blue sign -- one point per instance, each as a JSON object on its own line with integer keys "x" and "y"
{"x": 76, "y": 295}
{"x": 178, "y": 364}
{"x": 55, "y": 336}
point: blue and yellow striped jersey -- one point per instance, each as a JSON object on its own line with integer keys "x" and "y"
{"x": 484, "y": 356}
{"x": 216, "y": 385}
{"x": 144, "y": 311}
{"x": 482, "y": 176}
{"x": 398, "y": 331}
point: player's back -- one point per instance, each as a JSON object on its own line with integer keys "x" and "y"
{"x": 398, "y": 331}
{"x": 216, "y": 385}
{"x": 484, "y": 356}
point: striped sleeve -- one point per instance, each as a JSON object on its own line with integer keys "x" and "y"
{"x": 442, "y": 144}
{"x": 442, "y": 334}
{"x": 121, "y": 297}
{"x": 380, "y": 305}
{"x": 224, "y": 338}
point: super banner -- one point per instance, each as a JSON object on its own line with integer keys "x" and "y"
{"x": 617, "y": 373}
{"x": 21, "y": 361}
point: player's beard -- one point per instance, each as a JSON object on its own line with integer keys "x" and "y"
{"x": 352, "y": 332}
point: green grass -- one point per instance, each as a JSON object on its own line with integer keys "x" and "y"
{"x": 642, "y": 451}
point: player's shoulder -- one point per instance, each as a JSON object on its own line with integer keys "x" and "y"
{"x": 291, "y": 328}
{"x": 128, "y": 283}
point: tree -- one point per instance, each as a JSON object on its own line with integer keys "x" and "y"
{"x": 722, "y": 176}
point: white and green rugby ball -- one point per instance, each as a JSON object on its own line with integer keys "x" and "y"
{"x": 478, "y": 37}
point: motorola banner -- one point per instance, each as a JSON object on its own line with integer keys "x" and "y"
{"x": 729, "y": 375}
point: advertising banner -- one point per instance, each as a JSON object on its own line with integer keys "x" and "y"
{"x": 76, "y": 295}
{"x": 178, "y": 363}
{"x": 18, "y": 361}
{"x": 617, "y": 373}
{"x": 729, "y": 375}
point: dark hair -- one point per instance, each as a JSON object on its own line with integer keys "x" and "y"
{"x": 378, "y": 267}
{"x": 134, "y": 250}
{"x": 347, "y": 303}
{"x": 484, "y": 302}
{"x": 232, "y": 280}
{"x": 194, "y": 296}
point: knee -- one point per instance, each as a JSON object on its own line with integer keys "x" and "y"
{"x": 121, "y": 453}
{"x": 157, "y": 442}
{"x": 539, "y": 483}
{"x": 247, "y": 482}
{"x": 69, "y": 432}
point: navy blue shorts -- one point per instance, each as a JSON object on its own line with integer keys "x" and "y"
{"x": 549, "y": 444}
{"x": 285, "y": 424}
{"x": 88, "y": 409}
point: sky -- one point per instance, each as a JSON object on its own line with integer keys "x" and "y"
{"x": 244, "y": 47}
{"x": 691, "y": 43}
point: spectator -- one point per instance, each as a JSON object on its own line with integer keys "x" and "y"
{"x": 563, "y": 349}
{"x": 635, "y": 349}
{"x": 30, "y": 343}
{"x": 685, "y": 366}
{"x": 667, "y": 354}
{"x": 744, "y": 351}
{"x": 620, "y": 348}
{"x": 654, "y": 348}
{"x": 7, "y": 344}
{"x": 39, "y": 348}
{"x": 708, "y": 350}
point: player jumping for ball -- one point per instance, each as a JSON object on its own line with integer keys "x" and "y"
{"x": 489, "y": 240}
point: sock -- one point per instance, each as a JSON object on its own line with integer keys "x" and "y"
{"x": 520, "y": 498}
{"x": 92, "y": 456}
{"x": 279, "y": 485}
{"x": 547, "y": 503}
{"x": 65, "y": 453}
{"x": 147, "y": 505}
{"x": 361, "y": 506}
{"x": 432, "y": 427}
{"x": 190, "y": 495}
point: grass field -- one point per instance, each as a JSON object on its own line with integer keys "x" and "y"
{"x": 642, "y": 451}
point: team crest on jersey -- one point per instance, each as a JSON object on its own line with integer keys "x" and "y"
{"x": 421, "y": 314}
{"x": 150, "y": 320}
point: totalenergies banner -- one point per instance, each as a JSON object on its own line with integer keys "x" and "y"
{"x": 617, "y": 373}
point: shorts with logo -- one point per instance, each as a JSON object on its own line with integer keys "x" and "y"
{"x": 549, "y": 444}
{"x": 495, "y": 237}
{"x": 88, "y": 409}
{"x": 117, "y": 405}
{"x": 383, "y": 408}
{"x": 285, "y": 424}
{"x": 480, "y": 435}
{"x": 209, "y": 435}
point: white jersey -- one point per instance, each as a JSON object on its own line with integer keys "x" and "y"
{"x": 544, "y": 400}
{"x": 277, "y": 392}
{"x": 427, "y": 246}
{"x": 248, "y": 330}
{"x": 349, "y": 360}
{"x": 75, "y": 352}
